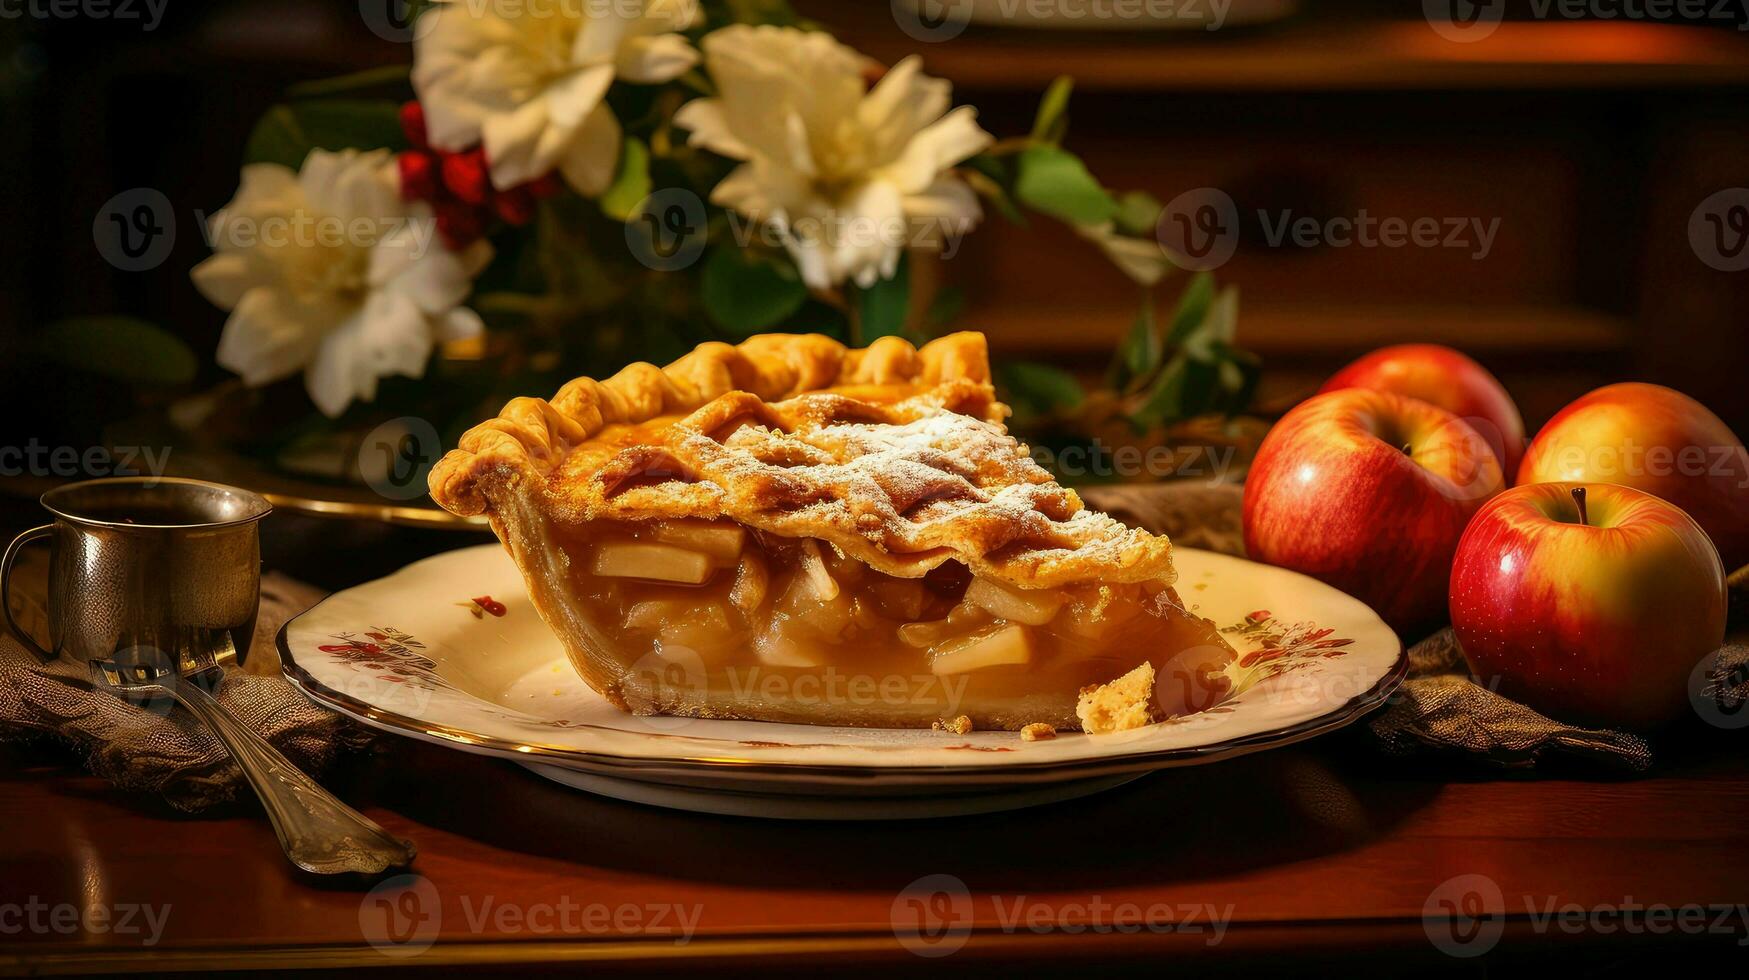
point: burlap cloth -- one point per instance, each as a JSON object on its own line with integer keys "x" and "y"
{"x": 166, "y": 753}
{"x": 1438, "y": 709}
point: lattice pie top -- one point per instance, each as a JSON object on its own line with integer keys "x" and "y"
{"x": 892, "y": 454}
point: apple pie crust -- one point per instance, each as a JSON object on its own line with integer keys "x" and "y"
{"x": 788, "y": 530}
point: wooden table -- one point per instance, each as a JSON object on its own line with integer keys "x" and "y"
{"x": 1308, "y": 856}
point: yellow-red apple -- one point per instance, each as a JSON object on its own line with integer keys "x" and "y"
{"x": 1588, "y": 602}
{"x": 1369, "y": 491}
{"x": 1449, "y": 379}
{"x": 1658, "y": 440}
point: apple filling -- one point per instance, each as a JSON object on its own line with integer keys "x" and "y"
{"x": 726, "y": 616}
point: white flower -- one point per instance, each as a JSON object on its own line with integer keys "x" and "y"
{"x": 847, "y": 174}
{"x": 329, "y": 270}
{"x": 527, "y": 80}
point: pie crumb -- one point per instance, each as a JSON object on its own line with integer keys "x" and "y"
{"x": 959, "y": 726}
{"x": 1119, "y": 705}
{"x": 1038, "y": 731}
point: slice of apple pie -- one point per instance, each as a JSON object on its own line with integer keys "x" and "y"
{"x": 787, "y": 530}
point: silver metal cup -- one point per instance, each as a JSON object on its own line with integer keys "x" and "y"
{"x": 166, "y": 564}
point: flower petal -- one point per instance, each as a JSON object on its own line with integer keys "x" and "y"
{"x": 268, "y": 336}
{"x": 946, "y": 211}
{"x": 571, "y": 99}
{"x": 433, "y": 278}
{"x": 459, "y": 324}
{"x": 939, "y": 146}
{"x": 223, "y": 278}
{"x": 522, "y": 145}
{"x": 900, "y": 105}
{"x": 658, "y": 58}
{"x": 593, "y": 154}
{"x": 350, "y": 184}
{"x": 710, "y": 129}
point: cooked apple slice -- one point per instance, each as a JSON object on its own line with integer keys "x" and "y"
{"x": 900, "y": 598}
{"x": 844, "y": 570}
{"x": 752, "y": 583}
{"x": 651, "y": 615}
{"x": 778, "y": 648}
{"x": 1034, "y": 607}
{"x": 826, "y": 620}
{"x": 922, "y": 635}
{"x": 656, "y": 562}
{"x": 714, "y": 538}
{"x": 697, "y": 625}
{"x": 1004, "y": 646}
{"x": 701, "y": 629}
{"x": 962, "y": 620}
{"x": 813, "y": 566}
{"x": 1096, "y": 615}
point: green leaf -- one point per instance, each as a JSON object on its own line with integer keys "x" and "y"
{"x": 882, "y": 307}
{"x": 1138, "y": 357}
{"x": 288, "y": 132}
{"x": 1038, "y": 389}
{"x": 1137, "y": 214}
{"x": 1207, "y": 373}
{"x": 1055, "y": 182}
{"x": 1239, "y": 376}
{"x": 631, "y": 185}
{"x": 121, "y": 348}
{"x": 944, "y": 308}
{"x": 1182, "y": 387}
{"x": 745, "y": 294}
{"x": 1052, "y": 122}
{"x": 1193, "y": 308}
{"x": 1219, "y": 328}
{"x": 370, "y": 78}
{"x": 991, "y": 189}
{"x": 817, "y": 316}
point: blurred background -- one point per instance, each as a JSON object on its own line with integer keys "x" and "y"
{"x": 1599, "y": 144}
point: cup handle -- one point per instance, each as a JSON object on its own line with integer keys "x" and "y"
{"x": 12, "y": 551}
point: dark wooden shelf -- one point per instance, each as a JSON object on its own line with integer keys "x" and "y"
{"x": 1334, "y": 330}
{"x": 1315, "y": 53}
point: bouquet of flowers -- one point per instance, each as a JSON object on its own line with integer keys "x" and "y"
{"x": 576, "y": 185}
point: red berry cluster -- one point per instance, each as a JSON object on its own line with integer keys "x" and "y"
{"x": 459, "y": 187}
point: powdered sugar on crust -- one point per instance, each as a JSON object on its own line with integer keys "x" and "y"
{"x": 901, "y": 487}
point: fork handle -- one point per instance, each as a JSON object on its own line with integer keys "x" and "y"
{"x": 317, "y": 832}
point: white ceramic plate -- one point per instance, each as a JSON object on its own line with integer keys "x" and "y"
{"x": 407, "y": 653}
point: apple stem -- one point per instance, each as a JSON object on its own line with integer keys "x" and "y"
{"x": 1408, "y": 450}
{"x": 1579, "y": 498}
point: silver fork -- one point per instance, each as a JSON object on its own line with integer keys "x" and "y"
{"x": 317, "y": 832}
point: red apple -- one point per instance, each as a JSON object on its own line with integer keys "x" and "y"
{"x": 1594, "y": 615}
{"x": 1449, "y": 379}
{"x": 1369, "y": 491}
{"x": 1658, "y": 440}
